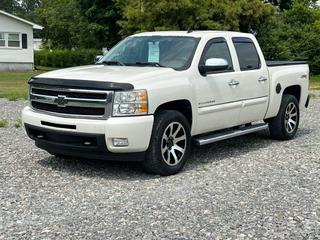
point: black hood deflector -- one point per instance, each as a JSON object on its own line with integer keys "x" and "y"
{"x": 86, "y": 84}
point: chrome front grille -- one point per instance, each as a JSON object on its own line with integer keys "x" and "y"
{"x": 71, "y": 102}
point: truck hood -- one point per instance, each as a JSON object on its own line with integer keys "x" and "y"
{"x": 117, "y": 74}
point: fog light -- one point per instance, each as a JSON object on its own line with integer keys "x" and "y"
{"x": 120, "y": 142}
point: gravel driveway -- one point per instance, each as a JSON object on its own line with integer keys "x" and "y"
{"x": 245, "y": 188}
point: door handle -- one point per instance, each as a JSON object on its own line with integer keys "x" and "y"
{"x": 233, "y": 83}
{"x": 262, "y": 79}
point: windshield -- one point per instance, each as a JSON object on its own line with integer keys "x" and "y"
{"x": 159, "y": 51}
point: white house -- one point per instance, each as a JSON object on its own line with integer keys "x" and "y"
{"x": 16, "y": 42}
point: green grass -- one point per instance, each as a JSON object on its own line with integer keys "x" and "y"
{"x": 3, "y": 123}
{"x": 315, "y": 78}
{"x": 14, "y": 85}
{"x": 17, "y": 123}
{"x": 315, "y": 82}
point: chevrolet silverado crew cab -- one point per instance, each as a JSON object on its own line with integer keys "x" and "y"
{"x": 154, "y": 94}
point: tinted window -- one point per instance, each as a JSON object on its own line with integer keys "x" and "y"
{"x": 217, "y": 48}
{"x": 247, "y": 54}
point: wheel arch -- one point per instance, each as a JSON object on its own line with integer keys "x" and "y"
{"x": 276, "y": 98}
{"x": 294, "y": 90}
{"x": 183, "y": 106}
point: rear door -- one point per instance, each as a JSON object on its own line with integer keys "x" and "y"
{"x": 254, "y": 80}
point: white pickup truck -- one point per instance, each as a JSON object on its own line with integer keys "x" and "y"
{"x": 156, "y": 93}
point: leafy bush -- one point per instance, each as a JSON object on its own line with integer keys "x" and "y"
{"x": 61, "y": 58}
{"x": 17, "y": 123}
{"x": 3, "y": 123}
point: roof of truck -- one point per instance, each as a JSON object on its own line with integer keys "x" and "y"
{"x": 192, "y": 33}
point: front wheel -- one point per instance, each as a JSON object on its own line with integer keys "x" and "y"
{"x": 285, "y": 125}
{"x": 170, "y": 143}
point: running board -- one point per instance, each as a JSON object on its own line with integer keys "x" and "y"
{"x": 216, "y": 137}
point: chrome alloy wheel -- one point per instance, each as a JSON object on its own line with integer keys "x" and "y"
{"x": 291, "y": 117}
{"x": 173, "y": 143}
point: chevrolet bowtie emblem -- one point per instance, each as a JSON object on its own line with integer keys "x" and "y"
{"x": 61, "y": 101}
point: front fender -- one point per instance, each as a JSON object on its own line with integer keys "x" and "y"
{"x": 176, "y": 90}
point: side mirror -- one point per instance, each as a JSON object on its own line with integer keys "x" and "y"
{"x": 213, "y": 65}
{"x": 98, "y": 58}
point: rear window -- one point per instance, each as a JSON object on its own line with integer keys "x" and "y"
{"x": 247, "y": 54}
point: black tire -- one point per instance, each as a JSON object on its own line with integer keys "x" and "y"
{"x": 277, "y": 125}
{"x": 155, "y": 161}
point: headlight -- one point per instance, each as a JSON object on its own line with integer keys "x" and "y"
{"x": 130, "y": 103}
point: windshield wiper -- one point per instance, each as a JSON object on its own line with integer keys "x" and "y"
{"x": 152, "y": 64}
{"x": 117, "y": 63}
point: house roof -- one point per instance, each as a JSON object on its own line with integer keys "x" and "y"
{"x": 34, "y": 25}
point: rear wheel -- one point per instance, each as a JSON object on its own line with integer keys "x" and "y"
{"x": 170, "y": 143}
{"x": 285, "y": 125}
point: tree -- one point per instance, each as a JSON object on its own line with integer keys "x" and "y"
{"x": 282, "y": 4}
{"x": 27, "y": 9}
{"x": 62, "y": 21}
{"x": 100, "y": 17}
{"x": 79, "y": 23}
{"x": 9, "y": 6}
{"x": 140, "y": 15}
{"x": 285, "y": 4}
{"x": 293, "y": 35}
{"x": 21, "y": 8}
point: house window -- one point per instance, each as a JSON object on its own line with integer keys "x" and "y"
{"x": 10, "y": 40}
{"x": 14, "y": 40}
{"x": 2, "y": 40}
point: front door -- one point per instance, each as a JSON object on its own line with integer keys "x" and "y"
{"x": 219, "y": 102}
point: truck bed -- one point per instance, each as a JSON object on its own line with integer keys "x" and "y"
{"x": 284, "y": 63}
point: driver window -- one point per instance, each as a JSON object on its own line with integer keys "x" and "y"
{"x": 217, "y": 48}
